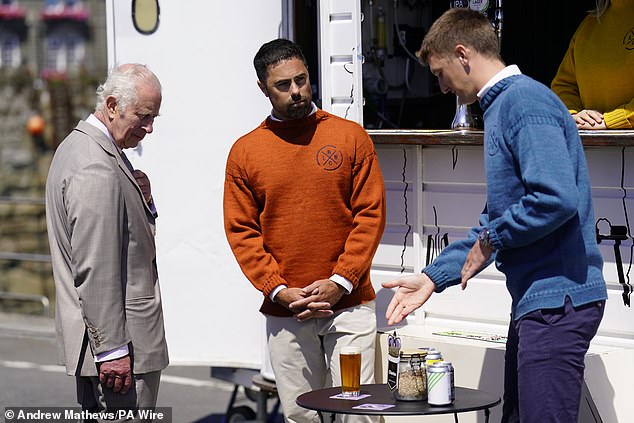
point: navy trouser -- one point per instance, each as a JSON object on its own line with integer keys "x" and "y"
{"x": 544, "y": 363}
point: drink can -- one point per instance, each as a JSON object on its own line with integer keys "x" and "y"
{"x": 433, "y": 357}
{"x": 439, "y": 384}
{"x": 451, "y": 378}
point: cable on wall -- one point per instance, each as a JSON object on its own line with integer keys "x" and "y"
{"x": 627, "y": 219}
{"x": 435, "y": 243}
{"x": 454, "y": 157}
{"x": 351, "y": 91}
{"x": 409, "y": 227}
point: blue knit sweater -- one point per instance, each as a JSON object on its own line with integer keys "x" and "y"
{"x": 539, "y": 206}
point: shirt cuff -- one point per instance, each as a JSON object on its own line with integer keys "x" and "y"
{"x": 276, "y": 291}
{"x": 112, "y": 355}
{"x": 343, "y": 282}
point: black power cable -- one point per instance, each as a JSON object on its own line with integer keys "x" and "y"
{"x": 409, "y": 227}
{"x": 627, "y": 219}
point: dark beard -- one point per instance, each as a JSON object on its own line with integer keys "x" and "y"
{"x": 299, "y": 112}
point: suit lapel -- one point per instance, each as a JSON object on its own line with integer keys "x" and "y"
{"x": 122, "y": 160}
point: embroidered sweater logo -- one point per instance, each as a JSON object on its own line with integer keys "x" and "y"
{"x": 329, "y": 157}
{"x": 628, "y": 40}
{"x": 492, "y": 143}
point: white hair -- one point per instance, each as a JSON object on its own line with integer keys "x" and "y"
{"x": 123, "y": 82}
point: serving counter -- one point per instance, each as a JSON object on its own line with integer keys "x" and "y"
{"x": 435, "y": 189}
{"x": 603, "y": 138}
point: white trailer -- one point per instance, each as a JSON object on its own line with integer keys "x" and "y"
{"x": 202, "y": 51}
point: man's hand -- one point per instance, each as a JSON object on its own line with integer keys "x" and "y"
{"x": 320, "y": 297}
{"x": 476, "y": 259}
{"x": 116, "y": 374}
{"x": 589, "y": 119}
{"x": 288, "y": 295}
{"x": 413, "y": 291}
{"x": 144, "y": 184}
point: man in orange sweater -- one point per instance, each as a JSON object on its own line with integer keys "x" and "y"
{"x": 304, "y": 211}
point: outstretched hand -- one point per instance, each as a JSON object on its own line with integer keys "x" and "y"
{"x": 413, "y": 291}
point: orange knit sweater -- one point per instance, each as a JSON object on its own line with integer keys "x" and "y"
{"x": 303, "y": 200}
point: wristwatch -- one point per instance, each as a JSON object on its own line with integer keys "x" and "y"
{"x": 483, "y": 238}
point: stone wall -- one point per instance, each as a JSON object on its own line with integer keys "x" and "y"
{"x": 25, "y": 270}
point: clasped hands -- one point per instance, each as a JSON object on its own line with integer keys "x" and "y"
{"x": 314, "y": 301}
{"x": 589, "y": 119}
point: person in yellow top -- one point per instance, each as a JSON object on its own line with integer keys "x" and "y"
{"x": 594, "y": 79}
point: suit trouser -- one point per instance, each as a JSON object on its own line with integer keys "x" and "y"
{"x": 143, "y": 393}
{"x": 305, "y": 355}
{"x": 544, "y": 363}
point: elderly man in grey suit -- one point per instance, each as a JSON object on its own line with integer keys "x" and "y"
{"x": 100, "y": 216}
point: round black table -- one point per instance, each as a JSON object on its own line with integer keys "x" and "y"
{"x": 466, "y": 400}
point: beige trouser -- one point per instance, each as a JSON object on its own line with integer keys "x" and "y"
{"x": 305, "y": 355}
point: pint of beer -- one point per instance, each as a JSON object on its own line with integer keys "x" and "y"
{"x": 350, "y": 366}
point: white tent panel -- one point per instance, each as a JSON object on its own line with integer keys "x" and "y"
{"x": 210, "y": 98}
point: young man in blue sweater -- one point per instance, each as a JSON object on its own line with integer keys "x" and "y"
{"x": 538, "y": 223}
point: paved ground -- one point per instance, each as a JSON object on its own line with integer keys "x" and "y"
{"x": 30, "y": 377}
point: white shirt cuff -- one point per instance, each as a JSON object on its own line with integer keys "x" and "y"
{"x": 345, "y": 283}
{"x": 276, "y": 291}
{"x": 112, "y": 355}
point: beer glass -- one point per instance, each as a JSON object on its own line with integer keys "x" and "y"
{"x": 350, "y": 367}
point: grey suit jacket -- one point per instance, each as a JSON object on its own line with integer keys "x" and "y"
{"x": 101, "y": 234}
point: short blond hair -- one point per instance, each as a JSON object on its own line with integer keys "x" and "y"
{"x": 459, "y": 26}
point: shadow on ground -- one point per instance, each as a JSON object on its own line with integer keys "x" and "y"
{"x": 221, "y": 418}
